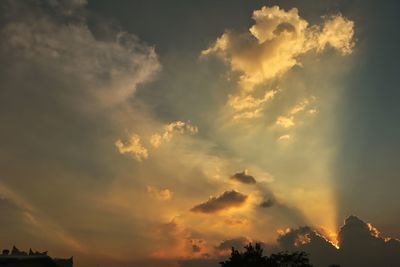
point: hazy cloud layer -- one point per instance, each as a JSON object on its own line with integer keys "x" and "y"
{"x": 109, "y": 71}
{"x": 160, "y": 194}
{"x": 65, "y": 96}
{"x": 238, "y": 242}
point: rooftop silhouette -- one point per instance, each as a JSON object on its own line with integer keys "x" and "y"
{"x": 20, "y": 258}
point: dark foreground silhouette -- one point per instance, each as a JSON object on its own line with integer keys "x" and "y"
{"x": 253, "y": 257}
{"x": 18, "y": 258}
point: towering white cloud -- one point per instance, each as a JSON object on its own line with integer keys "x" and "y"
{"x": 272, "y": 46}
{"x": 274, "y": 42}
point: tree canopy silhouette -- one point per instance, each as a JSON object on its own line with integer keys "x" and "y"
{"x": 253, "y": 257}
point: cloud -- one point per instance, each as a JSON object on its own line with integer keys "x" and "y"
{"x": 176, "y": 127}
{"x": 241, "y": 103}
{"x": 273, "y": 46}
{"x": 66, "y": 92}
{"x": 288, "y": 120}
{"x": 229, "y": 199}
{"x": 362, "y": 245}
{"x": 196, "y": 248}
{"x": 160, "y": 194}
{"x": 338, "y": 33}
{"x": 247, "y": 106}
{"x": 285, "y": 122}
{"x": 243, "y": 177}
{"x": 285, "y": 137}
{"x": 359, "y": 244}
{"x": 267, "y": 203}
{"x": 33, "y": 222}
{"x": 134, "y": 147}
{"x": 197, "y": 245}
{"x": 312, "y": 111}
{"x": 238, "y": 243}
{"x": 236, "y": 222}
{"x": 274, "y": 42}
{"x": 110, "y": 71}
{"x": 300, "y": 106}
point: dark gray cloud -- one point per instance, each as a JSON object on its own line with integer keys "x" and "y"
{"x": 196, "y": 248}
{"x": 267, "y": 203}
{"x": 360, "y": 244}
{"x": 196, "y": 245}
{"x": 228, "y": 199}
{"x": 243, "y": 177}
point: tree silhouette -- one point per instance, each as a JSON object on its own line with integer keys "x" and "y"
{"x": 286, "y": 259}
{"x": 253, "y": 257}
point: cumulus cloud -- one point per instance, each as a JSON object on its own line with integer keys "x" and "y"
{"x": 359, "y": 244}
{"x": 271, "y": 47}
{"x": 140, "y": 152}
{"x": 229, "y": 199}
{"x": 160, "y": 194}
{"x": 176, "y": 127}
{"x": 274, "y": 42}
{"x": 243, "y": 177}
{"x": 338, "y": 33}
{"x": 133, "y": 146}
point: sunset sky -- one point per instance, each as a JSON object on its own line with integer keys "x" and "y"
{"x": 158, "y": 133}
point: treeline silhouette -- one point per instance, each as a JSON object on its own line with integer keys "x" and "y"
{"x": 252, "y": 256}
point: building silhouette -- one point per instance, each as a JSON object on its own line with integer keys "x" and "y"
{"x": 19, "y": 258}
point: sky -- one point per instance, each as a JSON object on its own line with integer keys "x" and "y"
{"x": 160, "y": 133}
